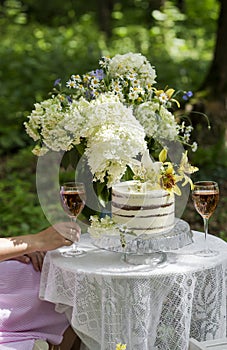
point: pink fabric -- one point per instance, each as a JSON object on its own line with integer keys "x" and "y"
{"x": 23, "y": 316}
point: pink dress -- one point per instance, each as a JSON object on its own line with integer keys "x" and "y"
{"x": 23, "y": 316}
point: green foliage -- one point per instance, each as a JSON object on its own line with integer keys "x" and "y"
{"x": 20, "y": 209}
{"x": 212, "y": 162}
{"x": 174, "y": 40}
{"x": 32, "y": 58}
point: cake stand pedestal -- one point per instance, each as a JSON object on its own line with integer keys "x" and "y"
{"x": 147, "y": 249}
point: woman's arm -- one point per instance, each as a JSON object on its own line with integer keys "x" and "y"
{"x": 51, "y": 238}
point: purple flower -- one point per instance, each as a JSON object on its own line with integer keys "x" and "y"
{"x": 187, "y": 95}
{"x": 98, "y": 73}
{"x": 57, "y": 82}
{"x": 90, "y": 95}
{"x": 69, "y": 99}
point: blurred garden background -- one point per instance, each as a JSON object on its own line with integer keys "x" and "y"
{"x": 42, "y": 41}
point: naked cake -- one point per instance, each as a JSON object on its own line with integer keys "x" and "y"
{"x": 142, "y": 211}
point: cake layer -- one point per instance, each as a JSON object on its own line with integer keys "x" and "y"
{"x": 142, "y": 210}
{"x": 147, "y": 212}
{"x": 151, "y": 222}
{"x": 124, "y": 196}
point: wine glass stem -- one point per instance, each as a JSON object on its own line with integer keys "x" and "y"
{"x": 74, "y": 246}
{"x": 205, "y": 222}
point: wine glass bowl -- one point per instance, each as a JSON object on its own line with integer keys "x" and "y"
{"x": 205, "y": 196}
{"x": 73, "y": 197}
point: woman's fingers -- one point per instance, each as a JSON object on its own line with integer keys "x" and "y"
{"x": 36, "y": 259}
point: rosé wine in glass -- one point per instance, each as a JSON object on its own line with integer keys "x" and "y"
{"x": 73, "y": 197}
{"x": 205, "y": 196}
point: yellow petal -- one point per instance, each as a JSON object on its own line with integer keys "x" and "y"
{"x": 163, "y": 155}
{"x": 170, "y": 93}
{"x": 177, "y": 190}
{"x": 184, "y": 158}
{"x": 177, "y": 102}
{"x": 169, "y": 169}
{"x": 187, "y": 179}
{"x": 159, "y": 92}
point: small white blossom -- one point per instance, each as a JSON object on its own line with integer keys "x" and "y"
{"x": 71, "y": 84}
{"x": 194, "y": 146}
{"x": 163, "y": 98}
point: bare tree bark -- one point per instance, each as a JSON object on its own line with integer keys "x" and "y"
{"x": 216, "y": 79}
{"x": 105, "y": 8}
{"x": 181, "y": 5}
{"x": 214, "y": 88}
{"x": 153, "y": 5}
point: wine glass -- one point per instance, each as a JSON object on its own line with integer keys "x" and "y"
{"x": 205, "y": 195}
{"x": 73, "y": 198}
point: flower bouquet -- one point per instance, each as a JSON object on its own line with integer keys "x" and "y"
{"x": 117, "y": 122}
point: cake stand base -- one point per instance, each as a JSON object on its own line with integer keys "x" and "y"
{"x": 176, "y": 238}
{"x": 152, "y": 259}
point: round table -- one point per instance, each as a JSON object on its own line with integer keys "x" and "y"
{"x": 148, "y": 308}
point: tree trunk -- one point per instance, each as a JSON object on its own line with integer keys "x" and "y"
{"x": 151, "y": 6}
{"x": 105, "y": 8}
{"x": 181, "y": 5}
{"x": 216, "y": 80}
{"x": 214, "y": 88}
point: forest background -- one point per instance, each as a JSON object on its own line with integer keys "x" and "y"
{"x": 44, "y": 40}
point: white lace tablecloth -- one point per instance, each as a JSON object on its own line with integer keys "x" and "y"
{"x": 109, "y": 301}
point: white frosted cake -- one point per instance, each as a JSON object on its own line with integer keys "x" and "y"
{"x": 143, "y": 212}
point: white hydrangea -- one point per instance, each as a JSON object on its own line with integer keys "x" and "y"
{"x": 75, "y": 120}
{"x": 48, "y": 123}
{"x": 157, "y": 121}
{"x": 132, "y": 63}
{"x": 114, "y": 138}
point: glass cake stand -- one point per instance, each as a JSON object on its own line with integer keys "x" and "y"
{"x": 147, "y": 249}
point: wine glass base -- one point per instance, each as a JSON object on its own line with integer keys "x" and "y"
{"x": 206, "y": 253}
{"x": 73, "y": 253}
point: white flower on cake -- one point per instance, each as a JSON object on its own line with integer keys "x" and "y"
{"x": 102, "y": 225}
{"x": 162, "y": 174}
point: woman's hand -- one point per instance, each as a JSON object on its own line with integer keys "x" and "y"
{"x": 61, "y": 234}
{"x": 35, "y": 258}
